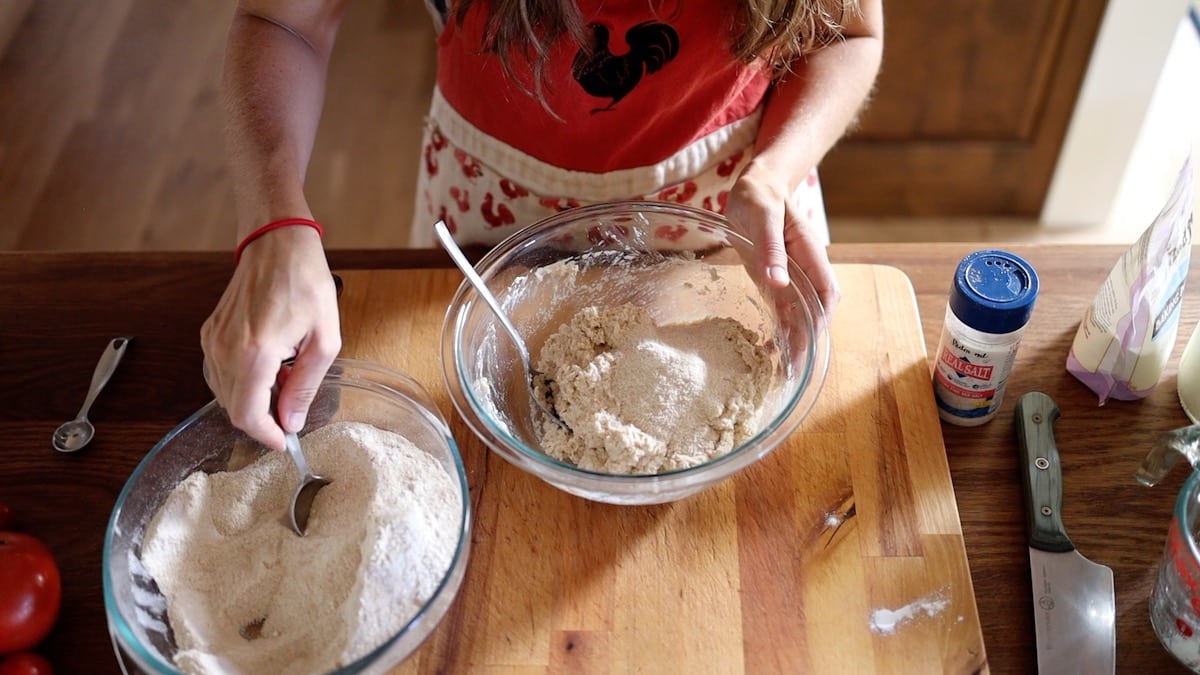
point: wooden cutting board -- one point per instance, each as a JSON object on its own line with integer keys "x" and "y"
{"x": 841, "y": 552}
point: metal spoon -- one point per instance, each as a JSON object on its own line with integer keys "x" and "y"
{"x": 73, "y": 435}
{"x": 532, "y": 374}
{"x": 306, "y": 491}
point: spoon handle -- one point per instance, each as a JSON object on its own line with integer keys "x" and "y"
{"x": 104, "y": 370}
{"x": 293, "y": 448}
{"x": 456, "y": 254}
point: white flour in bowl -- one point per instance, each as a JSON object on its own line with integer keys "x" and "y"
{"x": 245, "y": 594}
{"x": 641, "y": 397}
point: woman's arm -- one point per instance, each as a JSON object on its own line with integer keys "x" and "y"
{"x": 807, "y": 112}
{"x": 280, "y": 302}
{"x": 273, "y": 87}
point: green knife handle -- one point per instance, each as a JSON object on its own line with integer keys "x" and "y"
{"x": 1041, "y": 473}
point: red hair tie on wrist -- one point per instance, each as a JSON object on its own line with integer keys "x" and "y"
{"x": 275, "y": 225}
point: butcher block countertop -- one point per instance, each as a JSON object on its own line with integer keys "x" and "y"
{"x": 839, "y": 552}
{"x": 876, "y": 539}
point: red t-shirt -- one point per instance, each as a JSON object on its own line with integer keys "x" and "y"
{"x": 656, "y": 82}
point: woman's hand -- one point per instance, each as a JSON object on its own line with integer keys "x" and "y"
{"x": 808, "y": 109}
{"x": 281, "y": 303}
{"x": 760, "y": 208}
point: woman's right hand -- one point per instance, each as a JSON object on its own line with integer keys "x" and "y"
{"x": 280, "y": 303}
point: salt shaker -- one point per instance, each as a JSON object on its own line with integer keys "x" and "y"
{"x": 989, "y": 306}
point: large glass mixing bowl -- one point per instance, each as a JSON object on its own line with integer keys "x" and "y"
{"x": 681, "y": 264}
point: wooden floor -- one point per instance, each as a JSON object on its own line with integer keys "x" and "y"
{"x": 110, "y": 133}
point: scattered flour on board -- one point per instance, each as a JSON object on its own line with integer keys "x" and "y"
{"x": 886, "y": 621}
{"x": 380, "y": 538}
{"x": 642, "y": 398}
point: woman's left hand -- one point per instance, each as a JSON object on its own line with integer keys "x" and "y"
{"x": 762, "y": 211}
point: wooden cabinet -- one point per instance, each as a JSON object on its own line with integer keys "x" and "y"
{"x": 970, "y": 110}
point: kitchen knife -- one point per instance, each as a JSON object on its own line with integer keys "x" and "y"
{"x": 1074, "y": 607}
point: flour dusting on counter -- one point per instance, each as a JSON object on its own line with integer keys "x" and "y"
{"x": 886, "y": 621}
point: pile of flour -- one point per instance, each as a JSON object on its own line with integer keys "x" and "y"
{"x": 643, "y": 398}
{"x": 246, "y": 595}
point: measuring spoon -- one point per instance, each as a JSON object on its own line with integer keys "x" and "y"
{"x": 73, "y": 435}
{"x": 306, "y": 491}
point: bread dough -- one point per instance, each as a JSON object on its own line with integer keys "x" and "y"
{"x": 644, "y": 398}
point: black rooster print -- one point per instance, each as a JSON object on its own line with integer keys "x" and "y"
{"x": 606, "y": 75}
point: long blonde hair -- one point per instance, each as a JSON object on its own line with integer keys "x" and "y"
{"x": 773, "y": 32}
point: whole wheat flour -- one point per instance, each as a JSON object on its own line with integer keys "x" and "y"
{"x": 641, "y": 398}
{"x": 246, "y": 595}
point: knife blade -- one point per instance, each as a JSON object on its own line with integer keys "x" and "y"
{"x": 1074, "y": 604}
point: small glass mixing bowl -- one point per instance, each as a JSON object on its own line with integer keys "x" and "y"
{"x": 353, "y": 390}
{"x": 682, "y": 264}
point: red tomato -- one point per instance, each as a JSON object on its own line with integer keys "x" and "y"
{"x": 30, "y": 592}
{"x": 25, "y": 663}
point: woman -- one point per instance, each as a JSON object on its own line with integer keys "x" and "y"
{"x": 540, "y": 105}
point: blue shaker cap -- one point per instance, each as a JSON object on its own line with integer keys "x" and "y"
{"x": 994, "y": 291}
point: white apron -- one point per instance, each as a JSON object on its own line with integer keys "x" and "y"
{"x": 485, "y": 189}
